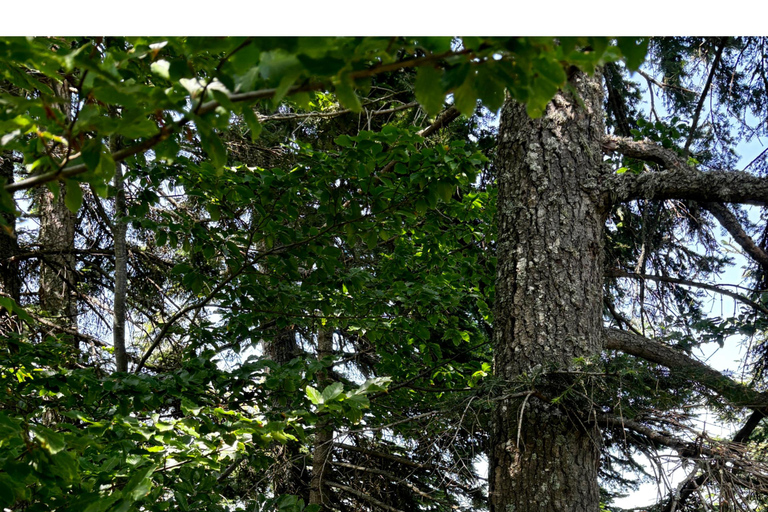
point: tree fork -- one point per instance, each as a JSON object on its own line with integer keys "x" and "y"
{"x": 548, "y": 298}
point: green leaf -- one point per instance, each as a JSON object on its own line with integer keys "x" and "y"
{"x": 91, "y": 153}
{"x": 455, "y": 76}
{"x": 140, "y": 483}
{"x": 213, "y": 211}
{"x": 428, "y": 89}
{"x": 136, "y": 128}
{"x": 373, "y": 385}
{"x": 326, "y": 66}
{"x": 188, "y": 407}
{"x": 422, "y": 332}
{"x": 7, "y": 303}
{"x": 331, "y": 392}
{"x": 282, "y": 88}
{"x": 102, "y": 503}
{"x": 314, "y": 395}
{"x": 161, "y": 68}
{"x": 252, "y": 122}
{"x": 13, "y": 307}
{"x": 359, "y": 401}
{"x": 344, "y": 141}
{"x": 73, "y": 197}
{"x": 489, "y": 89}
{"x": 106, "y": 167}
{"x": 213, "y": 146}
{"x": 345, "y": 92}
{"x": 7, "y": 493}
{"x": 49, "y": 440}
{"x": 445, "y": 190}
{"x": 465, "y": 96}
{"x": 634, "y": 50}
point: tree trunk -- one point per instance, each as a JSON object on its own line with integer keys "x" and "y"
{"x": 321, "y": 457}
{"x": 10, "y": 283}
{"x": 548, "y": 301}
{"x": 119, "y": 231}
{"x": 57, "y": 289}
{"x": 288, "y": 472}
{"x": 57, "y": 276}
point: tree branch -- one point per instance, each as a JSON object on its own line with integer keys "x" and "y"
{"x": 736, "y": 393}
{"x": 684, "y": 282}
{"x": 663, "y": 85}
{"x": 679, "y": 181}
{"x": 682, "y": 447}
{"x": 336, "y": 113}
{"x": 119, "y": 234}
{"x": 399, "y": 479}
{"x": 362, "y": 496}
{"x": 644, "y": 150}
{"x": 387, "y": 456}
{"x": 693, "y": 484}
{"x": 704, "y": 92}
{"x": 444, "y": 119}
{"x": 729, "y": 221}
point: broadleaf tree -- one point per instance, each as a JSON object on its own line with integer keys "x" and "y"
{"x": 312, "y": 273}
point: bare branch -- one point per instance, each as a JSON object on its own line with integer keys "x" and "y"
{"x": 663, "y": 85}
{"x": 362, "y": 496}
{"x": 736, "y": 393}
{"x": 704, "y": 92}
{"x": 395, "y": 478}
{"x": 681, "y": 446}
{"x": 729, "y": 221}
{"x": 685, "y": 282}
{"x": 388, "y": 456}
{"x": 644, "y": 150}
{"x": 444, "y": 119}
{"x": 335, "y": 113}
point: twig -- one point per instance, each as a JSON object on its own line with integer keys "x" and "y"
{"x": 363, "y": 496}
{"x": 704, "y": 92}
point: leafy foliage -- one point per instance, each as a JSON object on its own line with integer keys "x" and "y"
{"x": 258, "y": 214}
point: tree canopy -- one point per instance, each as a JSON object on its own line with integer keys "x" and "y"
{"x": 317, "y": 274}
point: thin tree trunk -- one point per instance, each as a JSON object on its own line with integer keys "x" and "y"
{"x": 10, "y": 283}
{"x": 57, "y": 287}
{"x": 288, "y": 472}
{"x": 548, "y": 301}
{"x": 119, "y": 230}
{"x": 57, "y": 276}
{"x": 321, "y": 457}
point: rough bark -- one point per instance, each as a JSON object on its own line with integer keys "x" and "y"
{"x": 57, "y": 276}
{"x": 57, "y": 286}
{"x": 679, "y": 180}
{"x": 321, "y": 457}
{"x": 548, "y": 298}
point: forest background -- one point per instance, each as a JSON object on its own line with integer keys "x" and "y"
{"x": 233, "y": 240}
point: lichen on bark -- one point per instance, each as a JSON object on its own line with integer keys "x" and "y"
{"x": 548, "y": 298}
